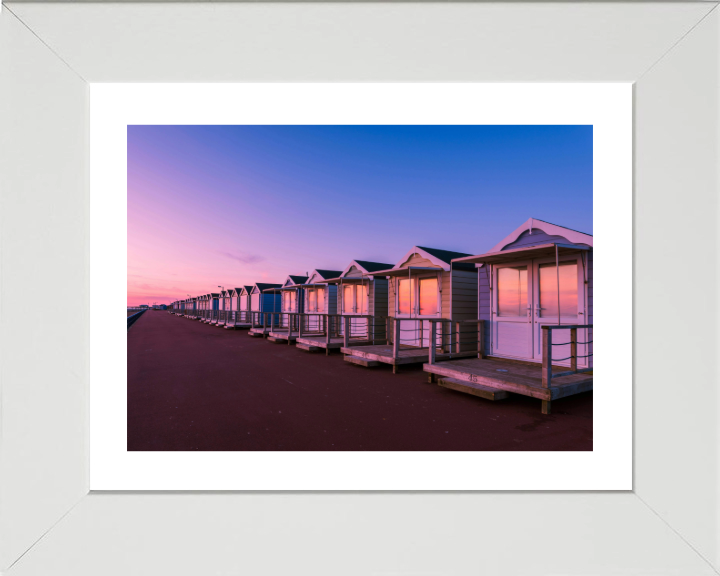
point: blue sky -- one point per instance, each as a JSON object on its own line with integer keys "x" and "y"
{"x": 211, "y": 205}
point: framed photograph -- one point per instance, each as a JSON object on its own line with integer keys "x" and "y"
{"x": 356, "y": 244}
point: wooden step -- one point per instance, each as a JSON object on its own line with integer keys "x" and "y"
{"x": 361, "y": 361}
{"x": 273, "y": 339}
{"x": 471, "y": 388}
{"x": 308, "y": 347}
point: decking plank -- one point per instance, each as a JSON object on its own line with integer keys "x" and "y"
{"x": 513, "y": 377}
{"x": 486, "y": 392}
{"x": 384, "y": 354}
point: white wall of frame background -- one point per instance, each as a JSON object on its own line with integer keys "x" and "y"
{"x": 50, "y": 53}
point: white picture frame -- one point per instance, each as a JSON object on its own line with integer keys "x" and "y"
{"x": 49, "y": 523}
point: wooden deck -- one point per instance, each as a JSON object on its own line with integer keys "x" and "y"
{"x": 519, "y": 378}
{"x": 280, "y": 335}
{"x": 312, "y": 343}
{"x": 259, "y": 331}
{"x": 384, "y": 353}
{"x": 233, "y": 326}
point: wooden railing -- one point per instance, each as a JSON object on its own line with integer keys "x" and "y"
{"x": 547, "y": 356}
{"x": 455, "y": 341}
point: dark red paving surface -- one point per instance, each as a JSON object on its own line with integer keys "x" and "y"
{"x": 192, "y": 386}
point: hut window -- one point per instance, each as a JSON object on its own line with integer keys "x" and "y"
{"x": 288, "y": 301}
{"x": 347, "y": 299}
{"x": 354, "y": 299}
{"x": 404, "y": 296}
{"x": 316, "y": 299}
{"x": 549, "y": 290}
{"x": 428, "y": 296}
{"x": 361, "y": 299}
{"x": 512, "y": 291}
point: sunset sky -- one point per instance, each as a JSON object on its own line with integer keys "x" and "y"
{"x": 234, "y": 205}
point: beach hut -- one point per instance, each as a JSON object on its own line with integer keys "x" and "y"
{"x": 212, "y": 303}
{"x": 291, "y": 304}
{"x": 424, "y": 285}
{"x": 535, "y": 294}
{"x": 224, "y": 305}
{"x": 202, "y": 307}
{"x": 358, "y": 295}
{"x": 239, "y": 314}
{"x": 264, "y": 301}
{"x": 318, "y": 301}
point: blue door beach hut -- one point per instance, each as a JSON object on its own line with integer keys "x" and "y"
{"x": 361, "y": 297}
{"x": 225, "y": 306}
{"x": 292, "y": 304}
{"x": 213, "y": 305}
{"x": 535, "y": 294}
{"x": 424, "y": 285}
{"x": 263, "y": 302}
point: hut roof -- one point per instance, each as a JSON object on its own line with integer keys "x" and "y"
{"x": 328, "y": 273}
{"x": 446, "y": 256}
{"x": 372, "y": 266}
{"x": 263, "y": 286}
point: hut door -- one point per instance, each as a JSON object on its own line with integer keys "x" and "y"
{"x": 417, "y": 298}
{"x": 512, "y": 311}
{"x": 571, "y": 301}
{"x": 353, "y": 302}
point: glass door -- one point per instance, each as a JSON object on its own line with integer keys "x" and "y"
{"x": 353, "y": 302}
{"x": 512, "y": 311}
{"x": 564, "y": 306}
{"x": 417, "y": 298}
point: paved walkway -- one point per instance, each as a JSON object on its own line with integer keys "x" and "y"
{"x": 192, "y": 386}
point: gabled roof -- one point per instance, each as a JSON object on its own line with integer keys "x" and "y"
{"x": 439, "y": 260}
{"x": 298, "y": 279}
{"x": 327, "y": 273}
{"x": 364, "y": 266}
{"x": 368, "y": 266}
{"x": 263, "y": 286}
{"x": 446, "y": 256}
{"x": 550, "y": 229}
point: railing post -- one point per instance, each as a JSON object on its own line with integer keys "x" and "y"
{"x": 573, "y": 349}
{"x": 481, "y": 338}
{"x": 326, "y": 320}
{"x": 457, "y": 336}
{"x": 291, "y": 318}
{"x": 433, "y": 325}
{"x": 387, "y": 329}
{"x": 396, "y": 337}
{"x": 546, "y": 356}
{"x": 264, "y": 315}
{"x": 546, "y": 364}
{"x": 346, "y": 331}
{"x": 300, "y": 328}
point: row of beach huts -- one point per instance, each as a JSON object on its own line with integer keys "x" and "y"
{"x": 515, "y": 320}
